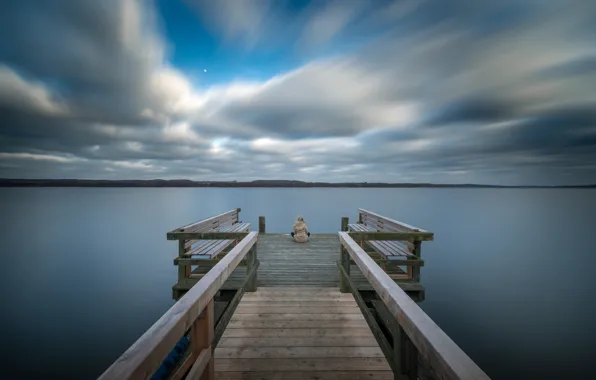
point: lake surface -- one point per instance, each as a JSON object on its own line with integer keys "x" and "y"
{"x": 509, "y": 276}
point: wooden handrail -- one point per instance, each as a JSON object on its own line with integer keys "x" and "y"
{"x": 192, "y": 226}
{"x": 393, "y": 221}
{"x": 145, "y": 356}
{"x": 442, "y": 353}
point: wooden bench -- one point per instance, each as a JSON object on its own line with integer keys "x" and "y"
{"x": 403, "y": 257}
{"x": 210, "y": 249}
{"x": 389, "y": 249}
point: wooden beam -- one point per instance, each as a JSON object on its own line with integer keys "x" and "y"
{"x": 261, "y": 224}
{"x": 432, "y": 343}
{"x": 408, "y": 236}
{"x": 207, "y": 221}
{"x": 145, "y": 356}
{"x": 381, "y": 217}
{"x": 201, "y": 337}
{"x": 206, "y": 235}
{"x": 344, "y": 223}
{"x": 200, "y": 365}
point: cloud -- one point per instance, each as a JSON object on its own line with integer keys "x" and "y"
{"x": 495, "y": 93}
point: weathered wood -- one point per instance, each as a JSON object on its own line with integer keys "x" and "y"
{"x": 206, "y": 235}
{"x": 406, "y": 236}
{"x": 381, "y": 217}
{"x": 302, "y": 375}
{"x": 200, "y": 365}
{"x": 183, "y": 270}
{"x": 299, "y": 308}
{"x": 345, "y": 265}
{"x": 316, "y": 364}
{"x": 209, "y": 220}
{"x": 231, "y": 308}
{"x": 251, "y": 281}
{"x": 370, "y": 321}
{"x": 261, "y": 224}
{"x": 432, "y": 343}
{"x": 316, "y": 341}
{"x": 294, "y": 324}
{"x": 144, "y": 357}
{"x": 287, "y": 352}
{"x": 417, "y": 253}
{"x": 344, "y": 223}
{"x": 398, "y": 357}
{"x": 302, "y": 317}
{"x": 201, "y": 336}
{"x": 336, "y": 330}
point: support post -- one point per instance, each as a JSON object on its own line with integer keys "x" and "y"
{"x": 344, "y": 223}
{"x": 359, "y": 218}
{"x": 261, "y": 224}
{"x": 251, "y": 262}
{"x": 399, "y": 354}
{"x": 417, "y": 252}
{"x": 201, "y": 338}
{"x": 183, "y": 270}
{"x": 410, "y": 356}
{"x": 345, "y": 263}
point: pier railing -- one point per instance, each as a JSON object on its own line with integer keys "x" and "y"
{"x": 414, "y": 338}
{"x": 192, "y": 316}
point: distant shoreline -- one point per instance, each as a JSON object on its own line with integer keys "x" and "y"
{"x": 251, "y": 184}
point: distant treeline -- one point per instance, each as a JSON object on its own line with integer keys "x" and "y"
{"x": 260, "y": 183}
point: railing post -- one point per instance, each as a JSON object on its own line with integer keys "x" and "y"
{"x": 417, "y": 252}
{"x": 345, "y": 263}
{"x": 251, "y": 262}
{"x": 201, "y": 338}
{"x": 344, "y": 223}
{"x": 261, "y": 224}
{"x": 399, "y": 354}
{"x": 183, "y": 270}
{"x": 409, "y": 356}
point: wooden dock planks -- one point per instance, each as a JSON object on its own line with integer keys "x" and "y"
{"x": 299, "y": 333}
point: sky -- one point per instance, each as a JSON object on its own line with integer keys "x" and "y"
{"x": 444, "y": 91}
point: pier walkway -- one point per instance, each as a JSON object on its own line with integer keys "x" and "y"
{"x": 252, "y": 305}
{"x": 280, "y": 332}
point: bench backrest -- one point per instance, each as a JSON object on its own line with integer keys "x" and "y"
{"x": 213, "y": 223}
{"x": 383, "y": 224}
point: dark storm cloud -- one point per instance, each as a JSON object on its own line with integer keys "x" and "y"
{"x": 83, "y": 50}
{"x": 470, "y": 109}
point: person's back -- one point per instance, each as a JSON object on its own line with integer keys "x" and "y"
{"x": 300, "y": 233}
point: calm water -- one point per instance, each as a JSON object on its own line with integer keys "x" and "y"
{"x": 510, "y": 275}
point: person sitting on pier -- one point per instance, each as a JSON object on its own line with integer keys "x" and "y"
{"x": 300, "y": 233}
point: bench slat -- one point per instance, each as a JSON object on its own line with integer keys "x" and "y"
{"x": 392, "y": 247}
{"x": 212, "y": 248}
{"x": 201, "y": 246}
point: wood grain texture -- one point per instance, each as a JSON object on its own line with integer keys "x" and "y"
{"x": 389, "y": 220}
{"x": 214, "y": 219}
{"x": 145, "y": 356}
{"x": 279, "y": 330}
{"x": 308, "y": 375}
{"x": 299, "y": 364}
{"x": 432, "y": 342}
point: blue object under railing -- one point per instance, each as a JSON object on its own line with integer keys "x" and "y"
{"x": 170, "y": 362}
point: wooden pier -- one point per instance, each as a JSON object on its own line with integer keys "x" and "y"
{"x": 260, "y": 306}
